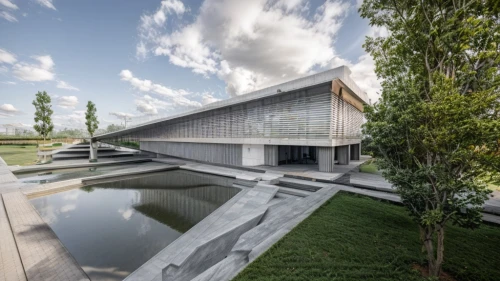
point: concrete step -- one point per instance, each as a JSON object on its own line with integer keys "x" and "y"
{"x": 300, "y": 184}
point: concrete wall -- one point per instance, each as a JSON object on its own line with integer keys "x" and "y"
{"x": 230, "y": 154}
{"x": 253, "y": 155}
{"x": 326, "y": 158}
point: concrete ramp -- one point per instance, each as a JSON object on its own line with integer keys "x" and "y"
{"x": 211, "y": 240}
{"x": 279, "y": 220}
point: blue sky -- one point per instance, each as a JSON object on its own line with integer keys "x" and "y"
{"x": 149, "y": 59}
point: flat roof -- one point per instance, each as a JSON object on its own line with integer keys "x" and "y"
{"x": 342, "y": 73}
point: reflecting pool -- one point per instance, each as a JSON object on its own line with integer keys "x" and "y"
{"x": 68, "y": 174}
{"x": 112, "y": 228}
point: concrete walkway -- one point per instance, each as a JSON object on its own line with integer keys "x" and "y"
{"x": 29, "y": 249}
{"x": 42, "y": 254}
{"x": 11, "y": 268}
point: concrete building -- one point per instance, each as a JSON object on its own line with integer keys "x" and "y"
{"x": 315, "y": 120}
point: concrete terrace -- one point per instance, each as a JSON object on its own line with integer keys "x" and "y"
{"x": 272, "y": 201}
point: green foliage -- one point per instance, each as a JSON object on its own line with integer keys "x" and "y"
{"x": 369, "y": 167}
{"x": 20, "y": 138}
{"x": 69, "y": 133}
{"x": 130, "y": 144}
{"x": 113, "y": 128}
{"x": 436, "y": 128}
{"x": 367, "y": 147}
{"x": 43, "y": 113}
{"x": 91, "y": 117}
{"x": 57, "y": 144}
{"x": 354, "y": 237}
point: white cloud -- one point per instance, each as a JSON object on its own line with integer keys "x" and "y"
{"x": 149, "y": 105}
{"x": 207, "y": 98}
{"x": 47, "y": 4}
{"x": 7, "y": 110}
{"x": 150, "y": 24}
{"x": 122, "y": 115}
{"x": 8, "y": 4}
{"x": 248, "y": 44}
{"x": 67, "y": 208}
{"x": 9, "y": 83}
{"x": 6, "y": 57}
{"x": 363, "y": 71}
{"x": 66, "y": 86}
{"x": 8, "y": 16}
{"x": 126, "y": 214}
{"x": 43, "y": 71}
{"x": 67, "y": 102}
{"x": 177, "y": 97}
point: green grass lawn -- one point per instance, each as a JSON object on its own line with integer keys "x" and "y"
{"x": 18, "y": 154}
{"x": 358, "y": 238}
{"x": 369, "y": 167}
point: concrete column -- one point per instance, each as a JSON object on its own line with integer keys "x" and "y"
{"x": 355, "y": 151}
{"x": 326, "y": 158}
{"x": 271, "y": 153}
{"x": 343, "y": 154}
{"x": 93, "y": 151}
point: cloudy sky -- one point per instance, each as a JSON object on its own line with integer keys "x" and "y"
{"x": 151, "y": 58}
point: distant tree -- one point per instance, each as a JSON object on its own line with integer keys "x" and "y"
{"x": 43, "y": 112}
{"x": 69, "y": 133}
{"x": 113, "y": 128}
{"x": 436, "y": 128}
{"x": 91, "y": 117}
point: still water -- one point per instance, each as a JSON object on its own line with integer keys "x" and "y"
{"x": 75, "y": 173}
{"x": 111, "y": 229}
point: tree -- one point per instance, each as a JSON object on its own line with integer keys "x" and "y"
{"x": 113, "y": 128}
{"x": 43, "y": 112}
{"x": 91, "y": 117}
{"x": 436, "y": 128}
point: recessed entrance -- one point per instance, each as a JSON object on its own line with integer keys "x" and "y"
{"x": 291, "y": 154}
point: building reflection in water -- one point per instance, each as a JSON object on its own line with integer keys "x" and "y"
{"x": 179, "y": 199}
{"x": 112, "y": 228}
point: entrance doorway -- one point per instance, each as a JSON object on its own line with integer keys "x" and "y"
{"x": 291, "y": 154}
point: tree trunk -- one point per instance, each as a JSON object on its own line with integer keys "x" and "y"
{"x": 435, "y": 260}
{"x": 440, "y": 251}
{"x": 44, "y": 156}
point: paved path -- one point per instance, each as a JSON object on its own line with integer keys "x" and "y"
{"x": 42, "y": 254}
{"x": 370, "y": 181}
{"x": 29, "y": 249}
{"x": 11, "y": 268}
{"x": 5, "y": 175}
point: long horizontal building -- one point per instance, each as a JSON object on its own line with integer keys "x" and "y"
{"x": 311, "y": 120}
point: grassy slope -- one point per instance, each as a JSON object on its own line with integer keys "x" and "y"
{"x": 17, "y": 155}
{"x": 369, "y": 167}
{"x": 357, "y": 238}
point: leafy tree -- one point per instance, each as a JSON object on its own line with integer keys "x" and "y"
{"x": 69, "y": 133}
{"x": 436, "y": 128}
{"x": 43, "y": 112}
{"x": 91, "y": 117}
{"x": 113, "y": 128}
